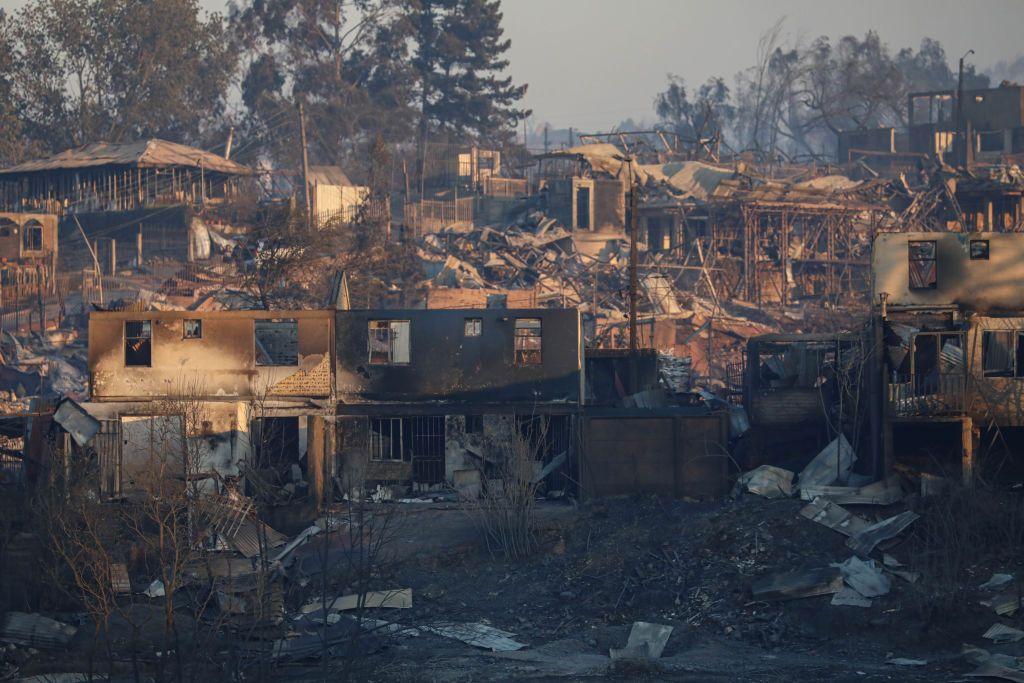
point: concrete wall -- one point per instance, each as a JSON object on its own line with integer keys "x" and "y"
{"x": 11, "y": 244}
{"x": 463, "y": 451}
{"x": 628, "y": 452}
{"x": 996, "y": 284}
{"x": 217, "y": 433}
{"x": 220, "y": 366}
{"x": 337, "y": 202}
{"x": 999, "y": 398}
{"x": 445, "y": 365}
{"x": 998, "y": 109}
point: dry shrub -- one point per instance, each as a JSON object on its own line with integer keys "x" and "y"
{"x": 967, "y": 527}
{"x": 505, "y": 511}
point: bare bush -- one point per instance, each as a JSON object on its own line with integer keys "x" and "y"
{"x": 505, "y": 511}
{"x": 966, "y": 527}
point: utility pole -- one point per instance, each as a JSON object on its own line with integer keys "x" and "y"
{"x": 227, "y": 147}
{"x": 545, "y": 138}
{"x": 305, "y": 168}
{"x": 634, "y": 345}
{"x": 961, "y": 139}
{"x": 570, "y": 137}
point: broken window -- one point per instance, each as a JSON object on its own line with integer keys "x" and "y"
{"x": 419, "y": 440}
{"x": 979, "y": 250}
{"x": 386, "y": 439}
{"x": 32, "y": 236}
{"x": 474, "y": 424}
{"x": 998, "y": 352}
{"x": 528, "y": 341}
{"x": 277, "y": 341}
{"x": 193, "y": 329}
{"x": 138, "y": 343}
{"x": 583, "y": 208}
{"x": 937, "y": 356}
{"x": 389, "y": 342}
{"x": 473, "y": 327}
{"x": 922, "y": 264}
{"x": 990, "y": 141}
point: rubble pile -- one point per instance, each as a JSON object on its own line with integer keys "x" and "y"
{"x": 50, "y": 366}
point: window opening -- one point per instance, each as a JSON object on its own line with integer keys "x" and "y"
{"x": 138, "y": 343}
{"x": 277, "y": 342}
{"x": 389, "y": 342}
{"x": 922, "y": 264}
{"x": 528, "y": 341}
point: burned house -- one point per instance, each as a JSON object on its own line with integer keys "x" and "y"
{"x": 429, "y": 398}
{"x": 247, "y": 391}
{"x": 585, "y": 190}
{"x": 28, "y": 238}
{"x": 950, "y": 314}
{"x": 28, "y": 257}
{"x": 135, "y": 200}
{"x": 798, "y": 389}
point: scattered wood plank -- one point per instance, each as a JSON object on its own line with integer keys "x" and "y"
{"x": 793, "y": 585}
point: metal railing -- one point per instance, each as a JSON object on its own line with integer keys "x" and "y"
{"x": 920, "y": 396}
{"x": 431, "y": 215}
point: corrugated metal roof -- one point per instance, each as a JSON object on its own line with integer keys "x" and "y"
{"x": 328, "y": 175}
{"x": 151, "y": 153}
{"x": 35, "y": 630}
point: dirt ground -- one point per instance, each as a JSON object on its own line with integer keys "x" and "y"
{"x": 607, "y": 564}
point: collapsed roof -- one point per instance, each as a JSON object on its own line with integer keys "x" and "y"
{"x": 152, "y": 153}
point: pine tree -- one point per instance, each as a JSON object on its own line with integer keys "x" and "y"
{"x": 459, "y": 60}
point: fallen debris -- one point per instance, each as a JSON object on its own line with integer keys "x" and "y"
{"x": 996, "y": 582}
{"x": 991, "y": 669}
{"x": 884, "y": 492}
{"x": 119, "y": 580}
{"x": 400, "y": 598}
{"x": 478, "y": 635}
{"x": 1004, "y": 603}
{"x": 646, "y": 641}
{"x": 834, "y": 516}
{"x": 793, "y": 585}
{"x": 767, "y": 481}
{"x": 866, "y": 578}
{"x": 848, "y": 597}
{"x": 832, "y": 465}
{"x": 35, "y": 630}
{"x": 905, "y": 661}
{"x": 1001, "y": 633}
{"x": 866, "y": 540}
{"x": 155, "y": 589}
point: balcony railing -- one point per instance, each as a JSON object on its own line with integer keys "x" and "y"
{"x": 928, "y": 395}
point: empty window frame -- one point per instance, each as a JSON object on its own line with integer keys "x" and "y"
{"x": 979, "y": 250}
{"x": 192, "y": 329}
{"x": 276, "y": 341}
{"x": 474, "y": 424}
{"x": 583, "y": 208}
{"x": 1002, "y": 353}
{"x": 138, "y": 343}
{"x": 32, "y": 236}
{"x": 528, "y": 341}
{"x": 921, "y": 256}
{"x": 473, "y": 327}
{"x": 388, "y": 342}
{"x": 386, "y": 442}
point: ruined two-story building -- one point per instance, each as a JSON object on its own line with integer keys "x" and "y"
{"x": 318, "y": 400}
{"x": 949, "y": 309}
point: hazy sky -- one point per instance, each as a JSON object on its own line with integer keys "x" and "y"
{"x": 592, "y": 63}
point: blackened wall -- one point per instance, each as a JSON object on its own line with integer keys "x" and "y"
{"x": 445, "y": 365}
